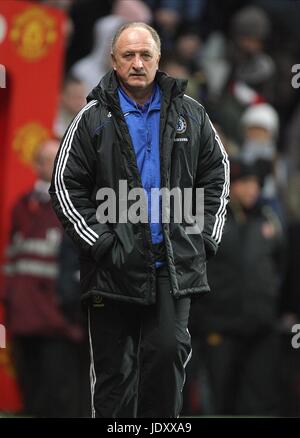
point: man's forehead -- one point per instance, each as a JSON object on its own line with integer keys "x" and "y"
{"x": 135, "y": 38}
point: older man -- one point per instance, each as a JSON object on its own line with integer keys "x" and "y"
{"x": 137, "y": 276}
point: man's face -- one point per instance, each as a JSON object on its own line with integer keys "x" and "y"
{"x": 136, "y": 59}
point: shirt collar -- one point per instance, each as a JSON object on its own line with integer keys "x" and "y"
{"x": 129, "y": 105}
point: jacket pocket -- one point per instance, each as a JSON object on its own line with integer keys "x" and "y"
{"x": 189, "y": 259}
{"x": 124, "y": 271}
{"x": 186, "y": 246}
{"x": 124, "y": 253}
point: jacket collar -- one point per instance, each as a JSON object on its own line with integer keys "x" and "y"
{"x": 108, "y": 86}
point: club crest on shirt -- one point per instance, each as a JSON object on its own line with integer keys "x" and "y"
{"x": 181, "y": 125}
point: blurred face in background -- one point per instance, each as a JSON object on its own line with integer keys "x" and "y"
{"x": 135, "y": 59}
{"x": 245, "y": 191}
{"x": 176, "y": 70}
{"x": 250, "y": 45}
{"x": 73, "y": 97}
{"x": 188, "y": 46}
{"x": 257, "y": 133}
{"x": 259, "y": 148}
{"x": 44, "y": 159}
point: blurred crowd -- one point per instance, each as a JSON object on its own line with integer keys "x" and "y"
{"x": 237, "y": 56}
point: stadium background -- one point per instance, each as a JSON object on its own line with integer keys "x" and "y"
{"x": 51, "y": 54}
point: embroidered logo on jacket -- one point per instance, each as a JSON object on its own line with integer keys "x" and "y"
{"x": 98, "y": 301}
{"x": 181, "y": 125}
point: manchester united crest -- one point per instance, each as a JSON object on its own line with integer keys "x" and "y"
{"x": 27, "y": 139}
{"x": 33, "y": 32}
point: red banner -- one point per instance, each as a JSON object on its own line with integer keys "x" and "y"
{"x": 31, "y": 63}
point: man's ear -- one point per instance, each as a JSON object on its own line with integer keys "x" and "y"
{"x": 113, "y": 61}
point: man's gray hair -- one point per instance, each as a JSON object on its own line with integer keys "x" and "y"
{"x": 136, "y": 24}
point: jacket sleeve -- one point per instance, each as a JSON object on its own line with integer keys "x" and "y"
{"x": 213, "y": 177}
{"x": 72, "y": 185}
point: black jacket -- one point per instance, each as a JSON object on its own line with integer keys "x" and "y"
{"x": 117, "y": 259}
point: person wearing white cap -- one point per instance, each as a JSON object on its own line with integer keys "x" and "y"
{"x": 263, "y": 116}
{"x": 261, "y": 129}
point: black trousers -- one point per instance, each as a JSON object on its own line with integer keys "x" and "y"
{"x": 139, "y": 354}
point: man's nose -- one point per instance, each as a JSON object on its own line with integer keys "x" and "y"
{"x": 138, "y": 62}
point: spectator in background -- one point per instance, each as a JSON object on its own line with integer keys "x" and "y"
{"x": 188, "y": 45}
{"x": 170, "y": 15}
{"x": 172, "y": 64}
{"x": 44, "y": 340}
{"x": 72, "y": 100}
{"x": 68, "y": 283}
{"x": 261, "y": 127}
{"x": 250, "y": 27}
{"x": 249, "y": 77}
{"x": 292, "y": 142}
{"x": 290, "y": 316}
{"x": 290, "y": 304}
{"x": 247, "y": 70}
{"x": 237, "y": 321}
{"x": 84, "y": 15}
{"x": 93, "y": 67}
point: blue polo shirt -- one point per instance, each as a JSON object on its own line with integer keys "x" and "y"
{"x": 143, "y": 126}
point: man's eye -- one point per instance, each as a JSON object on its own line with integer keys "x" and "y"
{"x": 146, "y": 55}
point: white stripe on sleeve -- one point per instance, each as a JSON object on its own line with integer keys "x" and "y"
{"x": 81, "y": 227}
{"x": 221, "y": 213}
